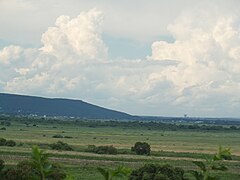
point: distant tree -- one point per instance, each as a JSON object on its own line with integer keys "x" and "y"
{"x": 61, "y": 146}
{"x": 141, "y": 148}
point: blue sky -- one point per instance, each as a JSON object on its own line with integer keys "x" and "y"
{"x": 153, "y": 57}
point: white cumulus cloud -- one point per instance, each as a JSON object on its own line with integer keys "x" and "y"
{"x": 207, "y": 49}
{"x": 198, "y": 74}
{"x": 80, "y": 36}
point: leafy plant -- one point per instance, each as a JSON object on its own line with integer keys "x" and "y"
{"x": 40, "y": 162}
{"x": 212, "y": 164}
{"x": 57, "y": 173}
{"x": 120, "y": 172}
{"x": 37, "y": 168}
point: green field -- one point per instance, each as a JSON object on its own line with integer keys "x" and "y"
{"x": 178, "y": 148}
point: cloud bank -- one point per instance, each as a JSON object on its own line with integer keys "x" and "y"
{"x": 197, "y": 74}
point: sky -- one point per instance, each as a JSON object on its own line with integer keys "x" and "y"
{"x": 155, "y": 57}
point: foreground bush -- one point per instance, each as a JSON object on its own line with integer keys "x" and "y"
{"x": 24, "y": 170}
{"x": 141, "y": 148}
{"x": 61, "y": 146}
{"x": 56, "y": 173}
{"x": 102, "y": 149}
{"x": 157, "y": 172}
{"x": 120, "y": 173}
{"x": 37, "y": 168}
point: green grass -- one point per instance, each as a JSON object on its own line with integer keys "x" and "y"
{"x": 177, "y": 148}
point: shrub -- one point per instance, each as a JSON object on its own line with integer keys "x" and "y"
{"x": 101, "y": 149}
{"x": 141, "y": 148}
{"x": 6, "y": 123}
{"x": 2, "y": 141}
{"x": 1, "y": 165}
{"x": 21, "y": 144}
{"x": 10, "y": 143}
{"x": 61, "y": 146}
{"x": 25, "y": 170}
{"x": 38, "y": 167}
{"x": 233, "y": 127}
{"x": 106, "y": 150}
{"x": 10, "y": 174}
{"x": 68, "y": 137}
{"x": 91, "y": 148}
{"x": 157, "y": 172}
{"x": 3, "y": 129}
{"x": 57, "y": 136}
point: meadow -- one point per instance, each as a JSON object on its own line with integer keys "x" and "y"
{"x": 178, "y": 147}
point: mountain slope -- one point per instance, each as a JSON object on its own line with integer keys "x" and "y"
{"x": 20, "y": 104}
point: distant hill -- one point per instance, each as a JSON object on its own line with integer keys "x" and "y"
{"x": 25, "y": 105}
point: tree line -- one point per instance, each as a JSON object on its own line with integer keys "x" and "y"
{"x": 149, "y": 125}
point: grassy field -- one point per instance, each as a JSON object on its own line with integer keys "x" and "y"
{"x": 178, "y": 148}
